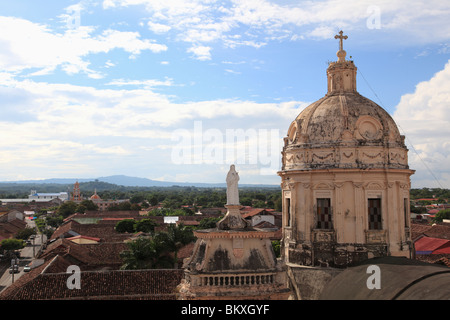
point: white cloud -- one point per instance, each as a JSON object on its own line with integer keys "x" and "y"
{"x": 424, "y": 117}
{"x": 62, "y": 129}
{"x": 256, "y": 22}
{"x": 158, "y": 27}
{"x": 200, "y": 52}
{"x": 27, "y": 46}
{"x": 144, "y": 83}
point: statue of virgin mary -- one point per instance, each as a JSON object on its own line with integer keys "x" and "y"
{"x": 232, "y": 186}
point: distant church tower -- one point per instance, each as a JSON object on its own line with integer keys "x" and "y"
{"x": 76, "y": 194}
{"x": 345, "y": 178}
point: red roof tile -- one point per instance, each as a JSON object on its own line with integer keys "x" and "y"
{"x": 428, "y": 244}
{"x": 84, "y": 237}
{"x": 99, "y": 285}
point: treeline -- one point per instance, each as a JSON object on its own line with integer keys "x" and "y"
{"x": 176, "y": 197}
{"x": 438, "y": 193}
{"x": 170, "y": 197}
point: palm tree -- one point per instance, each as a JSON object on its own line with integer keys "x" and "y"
{"x": 140, "y": 254}
{"x": 145, "y": 253}
{"x": 177, "y": 237}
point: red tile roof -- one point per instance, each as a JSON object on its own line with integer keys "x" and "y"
{"x": 428, "y": 244}
{"x": 252, "y": 213}
{"x": 87, "y": 256}
{"x": 441, "y": 231}
{"x": 84, "y": 237}
{"x": 95, "y": 285}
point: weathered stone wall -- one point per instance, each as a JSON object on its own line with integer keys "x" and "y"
{"x": 307, "y": 283}
{"x": 327, "y": 254}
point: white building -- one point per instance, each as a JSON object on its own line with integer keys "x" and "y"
{"x": 64, "y": 196}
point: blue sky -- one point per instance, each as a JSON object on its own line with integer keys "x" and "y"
{"x": 158, "y": 89}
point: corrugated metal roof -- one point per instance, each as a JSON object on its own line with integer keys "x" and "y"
{"x": 426, "y": 244}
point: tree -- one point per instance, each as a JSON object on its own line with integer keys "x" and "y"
{"x": 25, "y": 233}
{"x": 146, "y": 253}
{"x": 278, "y": 205}
{"x": 54, "y": 221}
{"x": 125, "y": 225}
{"x": 89, "y": 205}
{"x": 259, "y": 204}
{"x": 208, "y": 223}
{"x": 145, "y": 225}
{"x": 246, "y": 201}
{"x": 276, "y": 245}
{"x": 140, "y": 254}
{"x": 441, "y": 215}
{"x": 178, "y": 237}
{"x": 124, "y": 206}
{"x": 81, "y": 208}
{"x": 12, "y": 244}
{"x": 67, "y": 208}
{"x": 153, "y": 201}
{"x": 138, "y": 198}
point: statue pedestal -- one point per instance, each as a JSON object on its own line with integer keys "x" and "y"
{"x": 233, "y": 219}
{"x": 237, "y": 264}
{"x": 233, "y": 260}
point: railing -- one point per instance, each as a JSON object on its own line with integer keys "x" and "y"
{"x": 235, "y": 280}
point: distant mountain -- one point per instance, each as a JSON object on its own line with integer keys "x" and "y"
{"x": 127, "y": 181}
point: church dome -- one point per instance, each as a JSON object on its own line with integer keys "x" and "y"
{"x": 95, "y": 196}
{"x": 343, "y": 129}
{"x": 340, "y": 118}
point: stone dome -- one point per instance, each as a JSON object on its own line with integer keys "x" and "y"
{"x": 95, "y": 196}
{"x": 344, "y": 119}
{"x": 343, "y": 129}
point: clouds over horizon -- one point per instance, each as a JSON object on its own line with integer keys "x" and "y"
{"x": 66, "y": 125}
{"x": 96, "y": 116}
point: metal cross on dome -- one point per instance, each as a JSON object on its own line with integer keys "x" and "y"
{"x": 341, "y": 37}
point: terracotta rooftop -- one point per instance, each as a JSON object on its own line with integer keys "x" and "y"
{"x": 87, "y": 256}
{"x": 41, "y": 284}
{"x": 104, "y": 231}
{"x": 441, "y": 231}
{"x": 84, "y": 237}
{"x": 10, "y": 228}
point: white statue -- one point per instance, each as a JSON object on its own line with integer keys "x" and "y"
{"x": 232, "y": 186}
{"x": 233, "y": 218}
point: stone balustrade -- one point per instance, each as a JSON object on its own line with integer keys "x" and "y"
{"x": 233, "y": 280}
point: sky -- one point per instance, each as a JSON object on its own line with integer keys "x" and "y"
{"x": 178, "y": 90}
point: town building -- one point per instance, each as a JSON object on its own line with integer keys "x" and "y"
{"x": 104, "y": 204}
{"x": 34, "y": 195}
{"x": 38, "y": 198}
